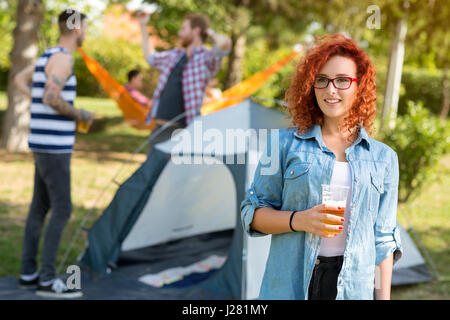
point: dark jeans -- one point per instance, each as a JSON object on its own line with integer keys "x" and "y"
{"x": 162, "y": 136}
{"x": 323, "y": 285}
{"x": 51, "y": 190}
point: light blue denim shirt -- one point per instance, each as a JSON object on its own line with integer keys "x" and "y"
{"x": 372, "y": 235}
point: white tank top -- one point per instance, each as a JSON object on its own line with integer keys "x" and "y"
{"x": 330, "y": 247}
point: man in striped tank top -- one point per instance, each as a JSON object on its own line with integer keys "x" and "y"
{"x": 52, "y": 135}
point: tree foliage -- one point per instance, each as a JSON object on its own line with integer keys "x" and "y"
{"x": 420, "y": 141}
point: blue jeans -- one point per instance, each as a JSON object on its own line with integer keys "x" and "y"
{"x": 51, "y": 191}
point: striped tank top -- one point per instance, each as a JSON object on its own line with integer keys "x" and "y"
{"x": 50, "y": 132}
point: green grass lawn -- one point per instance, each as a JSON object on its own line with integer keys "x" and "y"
{"x": 429, "y": 215}
{"x": 100, "y": 153}
{"x": 98, "y": 156}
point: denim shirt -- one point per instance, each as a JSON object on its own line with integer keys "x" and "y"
{"x": 372, "y": 234}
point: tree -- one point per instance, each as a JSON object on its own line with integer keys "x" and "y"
{"x": 237, "y": 18}
{"x": 239, "y": 29}
{"x": 24, "y": 52}
{"x": 427, "y": 44}
{"x": 394, "y": 75}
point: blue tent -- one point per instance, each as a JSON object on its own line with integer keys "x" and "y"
{"x": 170, "y": 214}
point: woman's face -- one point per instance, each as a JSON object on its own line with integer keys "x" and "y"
{"x": 336, "y": 103}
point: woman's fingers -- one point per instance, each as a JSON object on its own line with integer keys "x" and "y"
{"x": 332, "y": 207}
{"x": 331, "y": 227}
{"x": 332, "y": 218}
{"x": 326, "y": 225}
{"x": 320, "y": 207}
{"x": 324, "y": 229}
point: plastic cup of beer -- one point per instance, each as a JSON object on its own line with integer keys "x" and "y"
{"x": 83, "y": 127}
{"x": 336, "y": 196}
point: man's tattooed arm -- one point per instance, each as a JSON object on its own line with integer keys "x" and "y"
{"x": 58, "y": 70}
{"x": 53, "y": 98}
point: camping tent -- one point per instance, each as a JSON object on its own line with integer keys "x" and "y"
{"x": 181, "y": 207}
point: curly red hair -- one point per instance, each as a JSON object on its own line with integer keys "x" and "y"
{"x": 300, "y": 96}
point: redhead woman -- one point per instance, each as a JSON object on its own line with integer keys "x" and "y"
{"x": 317, "y": 255}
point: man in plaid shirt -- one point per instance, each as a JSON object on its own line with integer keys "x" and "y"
{"x": 184, "y": 72}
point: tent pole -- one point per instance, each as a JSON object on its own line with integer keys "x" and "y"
{"x": 113, "y": 180}
{"x": 126, "y": 162}
{"x": 87, "y": 214}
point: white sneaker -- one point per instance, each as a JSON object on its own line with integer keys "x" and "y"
{"x": 57, "y": 289}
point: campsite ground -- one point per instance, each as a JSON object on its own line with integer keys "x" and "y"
{"x": 100, "y": 154}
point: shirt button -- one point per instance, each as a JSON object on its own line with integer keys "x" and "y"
{"x": 251, "y": 192}
{"x": 292, "y": 172}
{"x": 356, "y": 179}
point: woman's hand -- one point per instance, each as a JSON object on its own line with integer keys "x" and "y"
{"x": 314, "y": 221}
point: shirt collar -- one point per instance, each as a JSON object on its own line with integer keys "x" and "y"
{"x": 195, "y": 51}
{"x": 316, "y": 133}
{"x": 364, "y": 136}
{"x": 198, "y": 49}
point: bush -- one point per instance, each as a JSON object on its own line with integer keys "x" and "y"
{"x": 259, "y": 56}
{"x": 118, "y": 57}
{"x": 421, "y": 85}
{"x": 420, "y": 140}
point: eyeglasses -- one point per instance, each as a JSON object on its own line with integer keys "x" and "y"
{"x": 341, "y": 83}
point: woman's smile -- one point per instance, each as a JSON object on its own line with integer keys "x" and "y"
{"x": 332, "y": 101}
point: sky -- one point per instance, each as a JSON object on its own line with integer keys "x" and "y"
{"x": 95, "y": 8}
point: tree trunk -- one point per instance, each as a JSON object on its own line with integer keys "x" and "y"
{"x": 394, "y": 75}
{"x": 241, "y": 22}
{"x": 24, "y": 52}
{"x": 445, "y": 93}
{"x": 234, "y": 72}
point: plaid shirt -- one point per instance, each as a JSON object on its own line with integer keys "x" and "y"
{"x": 200, "y": 68}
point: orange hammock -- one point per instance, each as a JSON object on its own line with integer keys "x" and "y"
{"x": 244, "y": 89}
{"x": 135, "y": 114}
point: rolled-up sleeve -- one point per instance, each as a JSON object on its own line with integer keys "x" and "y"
{"x": 159, "y": 59}
{"x": 266, "y": 188}
{"x": 387, "y": 233}
{"x": 214, "y": 59}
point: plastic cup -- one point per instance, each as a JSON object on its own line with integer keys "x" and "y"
{"x": 334, "y": 195}
{"x": 83, "y": 127}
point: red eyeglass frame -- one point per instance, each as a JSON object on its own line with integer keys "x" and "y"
{"x": 332, "y": 81}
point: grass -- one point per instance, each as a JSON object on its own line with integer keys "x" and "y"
{"x": 101, "y": 153}
{"x": 97, "y": 158}
{"x": 429, "y": 215}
